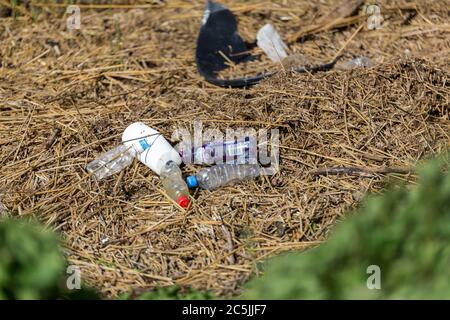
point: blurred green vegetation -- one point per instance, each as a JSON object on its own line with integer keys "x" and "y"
{"x": 32, "y": 265}
{"x": 30, "y": 261}
{"x": 405, "y": 232}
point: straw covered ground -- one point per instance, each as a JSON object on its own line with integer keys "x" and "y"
{"x": 66, "y": 96}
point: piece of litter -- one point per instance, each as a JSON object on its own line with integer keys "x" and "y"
{"x": 295, "y": 61}
{"x": 271, "y": 43}
{"x": 138, "y": 140}
{"x": 161, "y": 157}
{"x": 240, "y": 150}
{"x": 219, "y": 42}
{"x": 357, "y": 62}
{"x": 223, "y": 174}
{"x": 174, "y": 185}
{"x": 154, "y": 150}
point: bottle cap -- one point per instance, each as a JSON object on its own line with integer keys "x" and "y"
{"x": 192, "y": 182}
{"x": 183, "y": 201}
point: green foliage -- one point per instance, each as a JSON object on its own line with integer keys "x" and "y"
{"x": 404, "y": 232}
{"x": 30, "y": 261}
{"x": 32, "y": 265}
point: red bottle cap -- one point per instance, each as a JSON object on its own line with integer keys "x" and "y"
{"x": 183, "y": 201}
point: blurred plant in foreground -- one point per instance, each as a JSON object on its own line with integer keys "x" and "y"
{"x": 405, "y": 234}
{"x": 32, "y": 265}
{"x": 30, "y": 261}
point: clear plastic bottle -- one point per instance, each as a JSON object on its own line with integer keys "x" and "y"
{"x": 358, "y": 62}
{"x": 223, "y": 174}
{"x": 271, "y": 43}
{"x": 112, "y": 161}
{"x": 174, "y": 184}
{"x": 138, "y": 140}
{"x": 238, "y": 151}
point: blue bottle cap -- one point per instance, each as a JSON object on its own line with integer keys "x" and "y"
{"x": 191, "y": 182}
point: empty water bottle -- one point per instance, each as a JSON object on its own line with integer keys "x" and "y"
{"x": 223, "y": 174}
{"x": 238, "y": 151}
{"x": 271, "y": 43}
{"x": 174, "y": 184}
{"x": 112, "y": 161}
{"x": 358, "y": 62}
{"x": 136, "y": 139}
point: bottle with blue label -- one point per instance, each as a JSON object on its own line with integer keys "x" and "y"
{"x": 138, "y": 140}
{"x": 238, "y": 151}
{"x": 153, "y": 150}
{"x": 161, "y": 157}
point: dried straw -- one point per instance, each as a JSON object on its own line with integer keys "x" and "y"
{"x": 66, "y": 96}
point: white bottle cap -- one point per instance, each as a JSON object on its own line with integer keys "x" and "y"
{"x": 153, "y": 149}
{"x": 271, "y": 43}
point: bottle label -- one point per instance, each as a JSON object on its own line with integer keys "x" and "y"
{"x": 144, "y": 144}
{"x": 237, "y": 151}
{"x": 234, "y": 151}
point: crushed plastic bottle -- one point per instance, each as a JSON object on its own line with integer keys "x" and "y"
{"x": 112, "y": 162}
{"x": 238, "y": 151}
{"x": 223, "y": 174}
{"x": 271, "y": 43}
{"x": 357, "y": 62}
{"x": 174, "y": 184}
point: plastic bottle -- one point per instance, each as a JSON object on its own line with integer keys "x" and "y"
{"x": 357, "y": 62}
{"x": 112, "y": 161}
{"x": 239, "y": 151}
{"x": 158, "y": 150}
{"x": 271, "y": 43}
{"x": 174, "y": 184}
{"x": 138, "y": 140}
{"x": 162, "y": 158}
{"x": 151, "y": 149}
{"x": 223, "y": 174}
{"x": 119, "y": 158}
